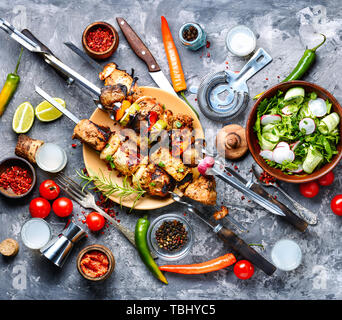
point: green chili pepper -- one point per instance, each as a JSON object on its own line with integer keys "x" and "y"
{"x": 303, "y": 65}
{"x": 9, "y": 87}
{"x": 143, "y": 249}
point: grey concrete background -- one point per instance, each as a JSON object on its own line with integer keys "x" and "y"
{"x": 284, "y": 29}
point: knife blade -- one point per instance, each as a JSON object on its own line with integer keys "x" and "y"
{"x": 140, "y": 49}
{"x": 57, "y": 105}
{"x": 288, "y": 215}
{"x": 84, "y": 56}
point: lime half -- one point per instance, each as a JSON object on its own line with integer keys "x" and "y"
{"x": 23, "y": 118}
{"x": 46, "y": 112}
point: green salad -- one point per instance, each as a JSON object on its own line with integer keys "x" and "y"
{"x": 297, "y": 131}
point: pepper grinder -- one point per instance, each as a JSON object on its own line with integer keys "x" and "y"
{"x": 58, "y": 249}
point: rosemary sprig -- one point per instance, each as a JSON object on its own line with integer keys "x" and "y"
{"x": 108, "y": 187}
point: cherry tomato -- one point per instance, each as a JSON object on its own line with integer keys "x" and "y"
{"x": 243, "y": 269}
{"x": 327, "y": 179}
{"x": 62, "y": 207}
{"x": 39, "y": 208}
{"x": 336, "y": 205}
{"x": 95, "y": 221}
{"x": 309, "y": 189}
{"x": 49, "y": 190}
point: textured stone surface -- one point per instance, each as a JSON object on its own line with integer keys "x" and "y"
{"x": 284, "y": 29}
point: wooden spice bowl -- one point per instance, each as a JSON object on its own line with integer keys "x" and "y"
{"x": 20, "y": 162}
{"x": 102, "y": 249}
{"x": 103, "y": 54}
{"x": 254, "y": 146}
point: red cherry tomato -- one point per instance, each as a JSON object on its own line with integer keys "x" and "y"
{"x": 309, "y": 189}
{"x": 95, "y": 221}
{"x": 243, "y": 269}
{"x": 49, "y": 190}
{"x": 39, "y": 208}
{"x": 327, "y": 179}
{"x": 336, "y": 205}
{"x": 62, "y": 207}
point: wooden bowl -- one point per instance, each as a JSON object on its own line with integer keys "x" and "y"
{"x": 254, "y": 146}
{"x": 105, "y": 54}
{"x": 20, "y": 162}
{"x": 104, "y": 250}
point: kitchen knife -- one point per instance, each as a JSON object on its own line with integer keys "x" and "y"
{"x": 288, "y": 215}
{"x": 144, "y": 54}
{"x": 84, "y": 56}
{"x": 231, "y": 239}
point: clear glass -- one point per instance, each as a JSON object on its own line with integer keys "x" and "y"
{"x": 286, "y": 255}
{"x": 35, "y": 233}
{"x": 199, "y": 42}
{"x": 241, "y": 41}
{"x": 51, "y": 157}
{"x": 162, "y": 253}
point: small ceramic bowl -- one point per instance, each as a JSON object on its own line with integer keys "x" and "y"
{"x": 102, "y": 249}
{"x": 163, "y": 253}
{"x": 103, "y": 54}
{"x": 20, "y": 162}
{"x": 254, "y": 146}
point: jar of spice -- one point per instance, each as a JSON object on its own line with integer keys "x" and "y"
{"x": 192, "y": 36}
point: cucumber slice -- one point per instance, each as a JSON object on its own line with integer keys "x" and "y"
{"x": 312, "y": 160}
{"x": 266, "y": 145}
{"x": 270, "y": 137}
{"x": 296, "y": 93}
{"x": 329, "y": 123}
{"x": 268, "y": 127}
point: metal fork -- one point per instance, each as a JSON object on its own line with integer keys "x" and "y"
{"x": 87, "y": 200}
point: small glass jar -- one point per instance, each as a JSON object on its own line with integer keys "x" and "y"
{"x": 35, "y": 233}
{"x": 241, "y": 41}
{"x": 161, "y": 252}
{"x": 51, "y": 157}
{"x": 197, "y": 43}
{"x": 286, "y": 255}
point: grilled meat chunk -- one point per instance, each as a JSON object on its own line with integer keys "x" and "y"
{"x": 182, "y": 121}
{"x": 202, "y": 190}
{"x": 111, "y": 147}
{"x": 92, "y": 134}
{"x": 173, "y": 166}
{"x": 112, "y": 76}
{"x": 153, "y": 179}
{"x": 112, "y": 94}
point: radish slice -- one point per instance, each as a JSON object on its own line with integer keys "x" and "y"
{"x": 294, "y": 145}
{"x": 298, "y": 170}
{"x": 270, "y": 118}
{"x": 318, "y": 107}
{"x": 308, "y": 125}
{"x": 283, "y": 144}
{"x": 282, "y": 154}
{"x": 267, "y": 154}
{"x": 205, "y": 164}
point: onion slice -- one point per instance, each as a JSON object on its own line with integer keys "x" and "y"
{"x": 318, "y": 107}
{"x": 308, "y": 125}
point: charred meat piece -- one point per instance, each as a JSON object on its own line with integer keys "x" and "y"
{"x": 194, "y": 154}
{"x": 112, "y": 94}
{"x": 202, "y": 190}
{"x": 218, "y": 215}
{"x": 111, "y": 147}
{"x": 153, "y": 179}
{"x": 27, "y": 147}
{"x": 112, "y": 76}
{"x": 92, "y": 134}
{"x": 172, "y": 165}
{"x": 181, "y": 121}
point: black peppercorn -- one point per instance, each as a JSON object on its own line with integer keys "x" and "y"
{"x": 171, "y": 235}
{"x": 190, "y": 33}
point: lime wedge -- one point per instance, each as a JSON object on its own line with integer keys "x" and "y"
{"x": 23, "y": 118}
{"x": 46, "y": 112}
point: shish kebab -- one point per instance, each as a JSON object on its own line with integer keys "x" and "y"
{"x": 157, "y": 174}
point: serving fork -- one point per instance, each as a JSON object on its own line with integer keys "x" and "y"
{"x": 87, "y": 200}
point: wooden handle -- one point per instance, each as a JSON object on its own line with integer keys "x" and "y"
{"x": 28, "y": 34}
{"x": 237, "y": 244}
{"x": 290, "y": 217}
{"x": 137, "y": 45}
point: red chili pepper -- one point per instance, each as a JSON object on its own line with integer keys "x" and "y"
{"x": 17, "y": 179}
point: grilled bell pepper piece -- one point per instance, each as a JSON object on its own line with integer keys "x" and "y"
{"x": 143, "y": 249}
{"x": 10, "y": 86}
{"x": 133, "y": 109}
{"x": 156, "y": 129}
{"x": 119, "y": 113}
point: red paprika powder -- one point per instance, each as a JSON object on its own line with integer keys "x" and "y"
{"x": 16, "y": 179}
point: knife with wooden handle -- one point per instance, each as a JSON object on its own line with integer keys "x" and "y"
{"x": 140, "y": 49}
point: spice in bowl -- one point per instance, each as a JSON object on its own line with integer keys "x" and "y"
{"x": 171, "y": 235}
{"x": 100, "y": 38}
{"x": 190, "y": 34}
{"x": 16, "y": 179}
{"x": 95, "y": 262}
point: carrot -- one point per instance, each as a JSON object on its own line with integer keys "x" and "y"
{"x": 204, "y": 267}
{"x": 176, "y": 70}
